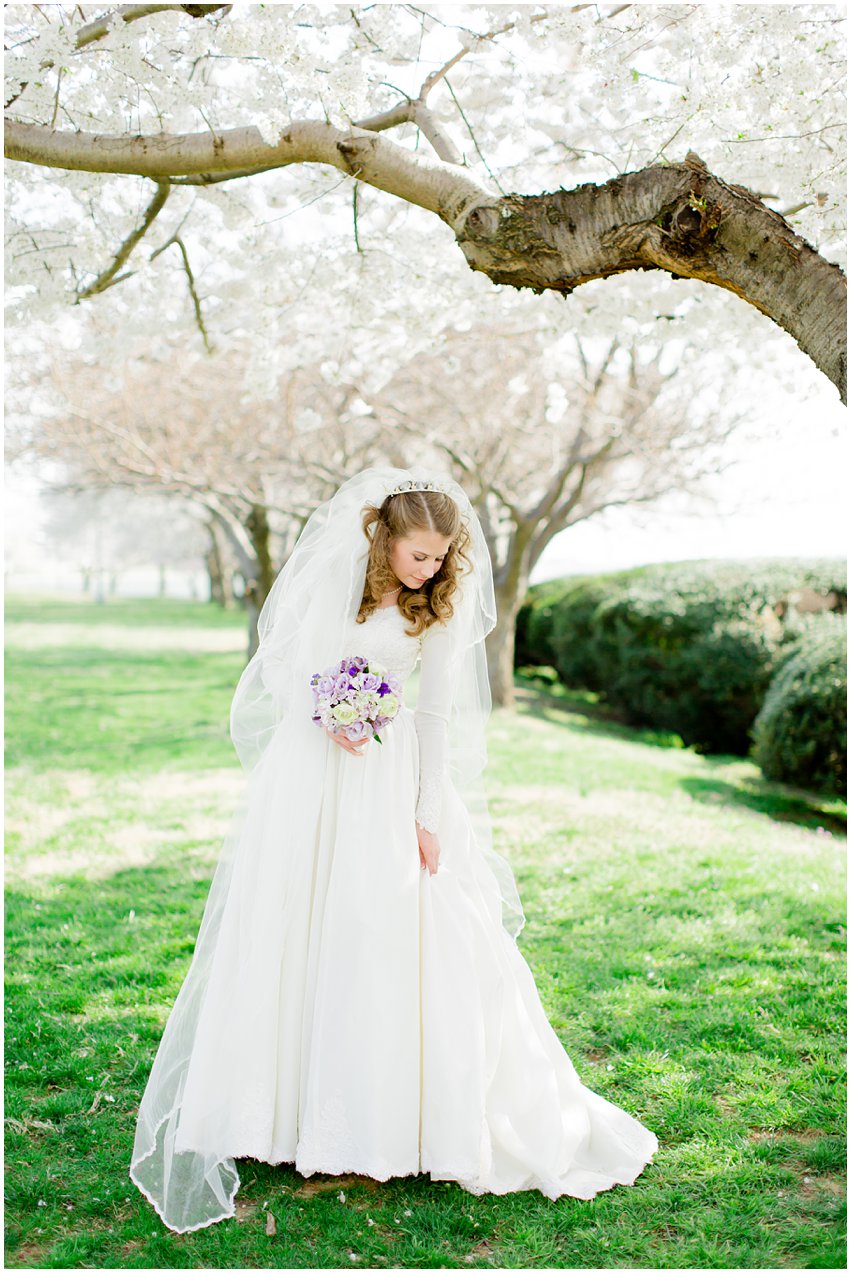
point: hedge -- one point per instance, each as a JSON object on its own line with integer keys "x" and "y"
{"x": 688, "y": 647}
{"x": 800, "y": 733}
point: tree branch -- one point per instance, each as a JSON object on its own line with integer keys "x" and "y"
{"x": 107, "y": 278}
{"x": 415, "y": 111}
{"x": 132, "y": 13}
{"x": 679, "y": 218}
{"x": 193, "y": 292}
{"x": 378, "y": 160}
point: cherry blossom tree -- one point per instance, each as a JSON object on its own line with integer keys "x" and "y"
{"x": 542, "y": 442}
{"x": 185, "y": 428}
{"x": 556, "y": 146}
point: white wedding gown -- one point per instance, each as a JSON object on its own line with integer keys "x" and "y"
{"x": 360, "y": 1014}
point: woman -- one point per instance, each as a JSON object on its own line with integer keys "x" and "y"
{"x": 356, "y": 1001}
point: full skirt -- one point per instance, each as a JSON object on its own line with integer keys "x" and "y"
{"x": 351, "y": 1012}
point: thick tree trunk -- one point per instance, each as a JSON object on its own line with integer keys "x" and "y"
{"x": 500, "y": 653}
{"x": 500, "y": 644}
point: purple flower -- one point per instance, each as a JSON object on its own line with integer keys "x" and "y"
{"x": 344, "y": 683}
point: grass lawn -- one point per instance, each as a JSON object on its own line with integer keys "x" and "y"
{"x": 685, "y": 926}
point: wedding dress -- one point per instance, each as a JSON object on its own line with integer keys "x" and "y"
{"x": 357, "y": 1013}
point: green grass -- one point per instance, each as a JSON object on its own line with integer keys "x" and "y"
{"x": 121, "y": 707}
{"x": 685, "y": 925}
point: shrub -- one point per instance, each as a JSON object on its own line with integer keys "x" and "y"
{"x": 688, "y": 647}
{"x": 800, "y": 733}
{"x": 575, "y": 635}
{"x": 533, "y": 628}
{"x": 687, "y": 651}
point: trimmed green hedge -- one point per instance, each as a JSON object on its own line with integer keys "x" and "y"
{"x": 532, "y": 628}
{"x": 541, "y": 637}
{"x": 688, "y": 647}
{"x": 800, "y": 733}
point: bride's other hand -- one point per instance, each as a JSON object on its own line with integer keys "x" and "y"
{"x": 346, "y": 743}
{"x": 429, "y": 849}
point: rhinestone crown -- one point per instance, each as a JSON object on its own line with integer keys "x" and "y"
{"x": 417, "y": 486}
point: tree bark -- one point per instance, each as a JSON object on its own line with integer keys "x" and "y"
{"x": 258, "y": 588}
{"x": 500, "y": 655}
{"x": 499, "y": 646}
{"x": 257, "y": 526}
{"x": 221, "y": 587}
{"x": 679, "y": 218}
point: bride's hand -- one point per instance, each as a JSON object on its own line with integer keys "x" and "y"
{"x": 346, "y": 743}
{"x": 429, "y": 849}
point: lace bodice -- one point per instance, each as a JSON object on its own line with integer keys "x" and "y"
{"x": 383, "y": 637}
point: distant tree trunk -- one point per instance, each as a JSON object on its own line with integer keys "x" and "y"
{"x": 248, "y": 536}
{"x": 221, "y": 580}
{"x": 258, "y": 588}
{"x": 257, "y": 526}
{"x": 161, "y": 590}
{"x": 86, "y": 578}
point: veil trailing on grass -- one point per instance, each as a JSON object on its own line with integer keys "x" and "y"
{"x": 316, "y": 594}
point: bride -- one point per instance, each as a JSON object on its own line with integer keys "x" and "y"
{"x": 356, "y": 1001}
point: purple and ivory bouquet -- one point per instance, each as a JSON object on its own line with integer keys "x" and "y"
{"x": 355, "y": 698}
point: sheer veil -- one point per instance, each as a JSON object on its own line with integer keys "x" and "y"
{"x": 318, "y": 590}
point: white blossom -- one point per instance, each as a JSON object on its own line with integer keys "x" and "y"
{"x": 580, "y": 96}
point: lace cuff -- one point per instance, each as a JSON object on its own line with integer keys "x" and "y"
{"x": 432, "y": 735}
{"x": 430, "y": 800}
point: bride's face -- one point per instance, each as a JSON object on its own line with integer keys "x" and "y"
{"x": 418, "y": 556}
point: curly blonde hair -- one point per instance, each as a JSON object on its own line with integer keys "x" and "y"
{"x": 398, "y": 517}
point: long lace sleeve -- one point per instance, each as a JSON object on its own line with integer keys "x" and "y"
{"x": 431, "y": 720}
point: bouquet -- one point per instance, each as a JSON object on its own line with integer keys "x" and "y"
{"x": 355, "y": 697}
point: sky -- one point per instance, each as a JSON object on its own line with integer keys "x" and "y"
{"x": 780, "y": 499}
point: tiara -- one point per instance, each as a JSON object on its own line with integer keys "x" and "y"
{"x": 417, "y": 486}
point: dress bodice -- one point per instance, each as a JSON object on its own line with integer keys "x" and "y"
{"x": 382, "y": 636}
